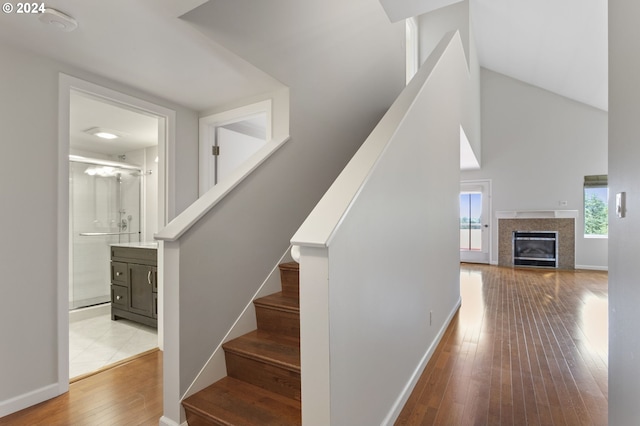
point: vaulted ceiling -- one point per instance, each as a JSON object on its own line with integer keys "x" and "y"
{"x": 560, "y": 46}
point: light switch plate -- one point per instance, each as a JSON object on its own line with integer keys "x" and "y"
{"x": 620, "y": 204}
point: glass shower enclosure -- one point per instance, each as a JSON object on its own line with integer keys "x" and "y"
{"x": 104, "y": 209}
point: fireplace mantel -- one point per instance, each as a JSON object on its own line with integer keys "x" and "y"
{"x": 537, "y": 214}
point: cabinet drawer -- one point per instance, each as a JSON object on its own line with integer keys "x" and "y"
{"x": 135, "y": 255}
{"x": 119, "y": 273}
{"x": 119, "y": 296}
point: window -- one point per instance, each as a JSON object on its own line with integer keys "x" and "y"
{"x": 596, "y": 215}
{"x": 470, "y": 221}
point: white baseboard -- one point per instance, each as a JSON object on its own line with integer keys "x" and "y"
{"x": 165, "y": 421}
{"x": 592, "y": 267}
{"x": 28, "y": 399}
{"x": 406, "y": 392}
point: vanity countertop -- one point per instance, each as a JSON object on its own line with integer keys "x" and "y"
{"x": 147, "y": 245}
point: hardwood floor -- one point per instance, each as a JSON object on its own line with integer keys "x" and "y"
{"x": 128, "y": 394}
{"x": 528, "y": 346}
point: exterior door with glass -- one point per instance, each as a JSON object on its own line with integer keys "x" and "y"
{"x": 475, "y": 218}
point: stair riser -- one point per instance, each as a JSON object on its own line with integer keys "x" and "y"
{"x": 276, "y": 321}
{"x": 290, "y": 280}
{"x": 195, "y": 419}
{"x": 266, "y": 376}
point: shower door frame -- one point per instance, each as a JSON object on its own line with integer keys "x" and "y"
{"x": 141, "y": 222}
{"x": 166, "y": 203}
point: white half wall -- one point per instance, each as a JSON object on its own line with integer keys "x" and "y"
{"x": 393, "y": 262}
{"x": 537, "y": 147}
{"x": 380, "y": 254}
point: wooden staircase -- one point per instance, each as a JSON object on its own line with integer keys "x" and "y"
{"x": 262, "y": 386}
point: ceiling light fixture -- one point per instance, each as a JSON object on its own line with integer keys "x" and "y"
{"x": 103, "y": 133}
{"x": 58, "y": 20}
{"x": 106, "y": 135}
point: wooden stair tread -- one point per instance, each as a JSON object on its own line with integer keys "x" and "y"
{"x": 279, "y": 302}
{"x": 291, "y": 266}
{"x": 234, "y": 402}
{"x": 282, "y": 351}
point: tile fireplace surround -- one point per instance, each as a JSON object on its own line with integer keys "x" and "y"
{"x": 562, "y": 221}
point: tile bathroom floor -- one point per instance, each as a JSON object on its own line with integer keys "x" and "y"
{"x": 98, "y": 341}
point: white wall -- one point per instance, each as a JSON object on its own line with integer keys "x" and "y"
{"x": 537, "y": 148}
{"x": 29, "y": 192}
{"x": 624, "y": 244}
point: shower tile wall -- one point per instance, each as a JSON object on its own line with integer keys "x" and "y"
{"x": 94, "y": 208}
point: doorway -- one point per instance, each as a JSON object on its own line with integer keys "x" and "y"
{"x": 229, "y": 139}
{"x": 475, "y": 219}
{"x": 112, "y": 203}
{"x": 113, "y": 190}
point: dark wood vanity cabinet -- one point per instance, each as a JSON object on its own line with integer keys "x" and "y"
{"x": 134, "y": 284}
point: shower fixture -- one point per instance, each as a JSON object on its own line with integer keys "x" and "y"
{"x": 141, "y": 173}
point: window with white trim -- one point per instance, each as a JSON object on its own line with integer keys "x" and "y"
{"x": 596, "y": 210}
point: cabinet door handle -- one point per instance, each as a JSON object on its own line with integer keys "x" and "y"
{"x": 118, "y": 274}
{"x": 149, "y": 277}
{"x": 118, "y": 297}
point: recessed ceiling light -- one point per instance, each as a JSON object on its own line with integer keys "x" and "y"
{"x": 106, "y": 135}
{"x": 103, "y": 133}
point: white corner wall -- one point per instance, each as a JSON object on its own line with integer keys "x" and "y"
{"x": 29, "y": 162}
{"x": 537, "y": 147}
{"x": 624, "y": 244}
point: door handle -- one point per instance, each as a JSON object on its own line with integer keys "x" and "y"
{"x": 149, "y": 276}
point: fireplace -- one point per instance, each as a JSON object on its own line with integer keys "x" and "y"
{"x": 561, "y": 222}
{"x": 535, "y": 248}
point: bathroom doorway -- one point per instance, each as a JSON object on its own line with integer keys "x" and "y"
{"x": 116, "y": 195}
